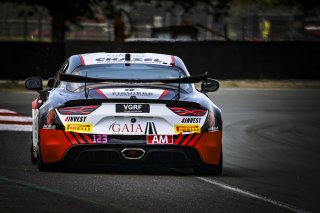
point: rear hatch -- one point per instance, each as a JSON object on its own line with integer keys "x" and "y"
{"x": 132, "y": 117}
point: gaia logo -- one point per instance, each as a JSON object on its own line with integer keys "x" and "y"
{"x": 126, "y": 128}
{"x": 134, "y": 128}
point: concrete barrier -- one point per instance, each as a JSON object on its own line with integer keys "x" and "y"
{"x": 222, "y": 60}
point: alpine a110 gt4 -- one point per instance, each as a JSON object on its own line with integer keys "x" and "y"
{"x": 118, "y": 109}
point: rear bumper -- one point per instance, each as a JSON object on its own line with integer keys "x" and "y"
{"x": 186, "y": 150}
{"x": 154, "y": 156}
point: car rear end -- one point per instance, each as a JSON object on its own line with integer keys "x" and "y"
{"x": 132, "y": 132}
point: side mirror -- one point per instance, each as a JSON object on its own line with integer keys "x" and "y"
{"x": 50, "y": 82}
{"x": 33, "y": 83}
{"x": 210, "y": 86}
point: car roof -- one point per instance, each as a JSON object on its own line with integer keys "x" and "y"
{"x": 137, "y": 58}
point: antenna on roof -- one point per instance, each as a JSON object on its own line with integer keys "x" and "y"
{"x": 127, "y": 59}
{"x": 85, "y": 87}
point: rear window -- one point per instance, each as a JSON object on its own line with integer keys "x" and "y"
{"x": 134, "y": 71}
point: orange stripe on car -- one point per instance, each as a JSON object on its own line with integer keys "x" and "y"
{"x": 178, "y": 139}
{"x": 187, "y": 139}
{"x": 70, "y": 137}
{"x": 87, "y": 138}
{"x": 79, "y": 138}
{"x": 194, "y": 140}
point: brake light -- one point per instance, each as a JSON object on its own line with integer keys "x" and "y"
{"x": 78, "y": 110}
{"x": 182, "y": 111}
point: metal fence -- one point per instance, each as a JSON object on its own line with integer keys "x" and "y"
{"x": 16, "y": 24}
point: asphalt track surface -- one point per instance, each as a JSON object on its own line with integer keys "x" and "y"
{"x": 271, "y": 164}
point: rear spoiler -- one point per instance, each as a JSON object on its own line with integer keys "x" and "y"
{"x": 84, "y": 79}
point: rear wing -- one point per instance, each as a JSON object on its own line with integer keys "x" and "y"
{"x": 84, "y": 79}
{"x": 208, "y": 84}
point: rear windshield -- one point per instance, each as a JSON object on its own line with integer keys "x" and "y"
{"x": 134, "y": 71}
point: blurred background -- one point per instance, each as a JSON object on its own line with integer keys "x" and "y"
{"x": 230, "y": 39}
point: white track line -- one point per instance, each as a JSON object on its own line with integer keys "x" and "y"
{"x": 12, "y": 121}
{"x": 7, "y": 111}
{"x": 252, "y": 195}
{"x": 15, "y": 127}
{"x": 15, "y": 118}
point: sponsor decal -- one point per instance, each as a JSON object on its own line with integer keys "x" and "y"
{"x": 133, "y": 128}
{"x": 49, "y": 126}
{"x": 133, "y": 108}
{"x": 133, "y": 60}
{"x": 191, "y": 128}
{"x": 126, "y": 128}
{"x": 213, "y": 129}
{"x": 159, "y": 139}
{"x": 75, "y": 119}
{"x": 78, "y": 127}
{"x": 132, "y": 93}
{"x": 99, "y": 138}
{"x": 190, "y": 120}
{"x": 150, "y": 129}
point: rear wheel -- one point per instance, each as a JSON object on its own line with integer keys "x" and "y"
{"x": 210, "y": 169}
{"x": 41, "y": 166}
{"x": 33, "y": 159}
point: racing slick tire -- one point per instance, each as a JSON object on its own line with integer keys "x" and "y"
{"x": 33, "y": 159}
{"x": 41, "y": 166}
{"x": 210, "y": 169}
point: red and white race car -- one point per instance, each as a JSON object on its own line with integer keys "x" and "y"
{"x": 111, "y": 109}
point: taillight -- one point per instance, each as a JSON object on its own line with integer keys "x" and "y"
{"x": 77, "y": 110}
{"x": 50, "y": 117}
{"x": 182, "y": 111}
{"x": 211, "y": 122}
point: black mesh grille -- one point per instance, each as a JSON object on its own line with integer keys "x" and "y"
{"x": 154, "y": 155}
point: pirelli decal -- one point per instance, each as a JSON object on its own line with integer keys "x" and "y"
{"x": 189, "y": 128}
{"x": 78, "y": 127}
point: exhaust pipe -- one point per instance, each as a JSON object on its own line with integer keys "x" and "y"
{"x": 133, "y": 153}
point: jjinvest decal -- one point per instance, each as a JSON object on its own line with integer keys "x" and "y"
{"x": 78, "y": 127}
{"x": 191, "y": 128}
{"x": 75, "y": 118}
{"x": 159, "y": 139}
{"x": 190, "y": 120}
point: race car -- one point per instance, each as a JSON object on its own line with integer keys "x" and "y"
{"x": 126, "y": 109}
